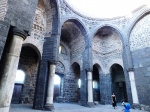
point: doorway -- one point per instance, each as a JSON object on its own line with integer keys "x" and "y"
{"x": 96, "y": 84}
{"x": 118, "y": 82}
{"x": 57, "y": 86}
{"x": 18, "y": 87}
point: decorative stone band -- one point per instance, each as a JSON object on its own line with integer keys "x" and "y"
{"x": 16, "y": 31}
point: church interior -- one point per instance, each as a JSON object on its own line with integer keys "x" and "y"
{"x": 50, "y": 51}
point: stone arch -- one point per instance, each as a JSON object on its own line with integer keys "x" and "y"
{"x": 98, "y": 67}
{"x": 139, "y": 42}
{"x": 76, "y": 67}
{"x": 84, "y": 32}
{"x": 28, "y": 62}
{"x": 66, "y": 48}
{"x": 115, "y": 64}
{"x": 97, "y": 77}
{"x": 140, "y": 26}
{"x": 77, "y": 62}
{"x": 136, "y": 20}
{"x": 130, "y": 26}
{"x": 114, "y": 28}
{"x": 119, "y": 62}
{"x": 79, "y": 24}
{"x": 60, "y": 68}
{"x": 107, "y": 46}
{"x": 118, "y": 82}
{"x": 35, "y": 48}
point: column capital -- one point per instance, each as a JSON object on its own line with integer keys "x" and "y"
{"x": 130, "y": 69}
{"x": 89, "y": 70}
{"x": 53, "y": 63}
{"x": 18, "y": 32}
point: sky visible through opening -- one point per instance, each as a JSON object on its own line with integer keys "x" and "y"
{"x": 106, "y": 8}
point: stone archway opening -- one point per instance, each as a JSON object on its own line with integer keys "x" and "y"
{"x": 71, "y": 50}
{"x": 96, "y": 84}
{"x": 118, "y": 82}
{"x": 25, "y": 88}
{"x": 77, "y": 82}
{"x": 97, "y": 79}
{"x": 18, "y": 86}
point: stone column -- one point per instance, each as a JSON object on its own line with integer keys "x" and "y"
{"x": 9, "y": 72}
{"x": 90, "y": 90}
{"x": 133, "y": 88}
{"x": 50, "y": 90}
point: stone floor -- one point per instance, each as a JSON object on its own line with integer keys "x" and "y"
{"x": 64, "y": 107}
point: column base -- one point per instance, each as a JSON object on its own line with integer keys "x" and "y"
{"x": 49, "y": 107}
{"x": 90, "y": 104}
{"x": 4, "y": 109}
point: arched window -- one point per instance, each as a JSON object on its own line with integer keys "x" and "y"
{"x": 79, "y": 83}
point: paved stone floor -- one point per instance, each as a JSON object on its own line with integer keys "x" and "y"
{"x": 64, "y": 107}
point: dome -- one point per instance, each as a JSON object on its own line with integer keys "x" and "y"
{"x": 106, "y": 8}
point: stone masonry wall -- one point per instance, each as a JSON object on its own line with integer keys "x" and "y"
{"x": 107, "y": 49}
{"x": 4, "y": 28}
{"x": 21, "y": 13}
{"x": 3, "y": 9}
{"x": 140, "y": 49}
{"x": 29, "y": 64}
{"x": 77, "y": 48}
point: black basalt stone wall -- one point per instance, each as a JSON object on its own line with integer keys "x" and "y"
{"x": 41, "y": 84}
{"x": 50, "y": 50}
{"x": 4, "y": 28}
{"x": 102, "y": 87}
{"x": 141, "y": 62}
{"x": 21, "y": 13}
{"x": 83, "y": 89}
{"x": 39, "y": 99}
{"x": 108, "y": 88}
{"x": 48, "y": 56}
{"x": 70, "y": 92}
{"x": 105, "y": 88}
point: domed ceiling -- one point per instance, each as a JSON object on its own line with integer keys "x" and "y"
{"x": 106, "y": 8}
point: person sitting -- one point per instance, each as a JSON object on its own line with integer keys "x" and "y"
{"x": 127, "y": 106}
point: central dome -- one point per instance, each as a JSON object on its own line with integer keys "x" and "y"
{"x": 106, "y": 8}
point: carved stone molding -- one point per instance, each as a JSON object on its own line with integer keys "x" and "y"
{"x": 16, "y": 31}
{"x": 3, "y": 9}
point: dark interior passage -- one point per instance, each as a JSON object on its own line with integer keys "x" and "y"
{"x": 118, "y": 82}
{"x": 96, "y": 84}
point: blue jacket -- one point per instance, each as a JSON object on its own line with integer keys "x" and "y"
{"x": 127, "y": 107}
